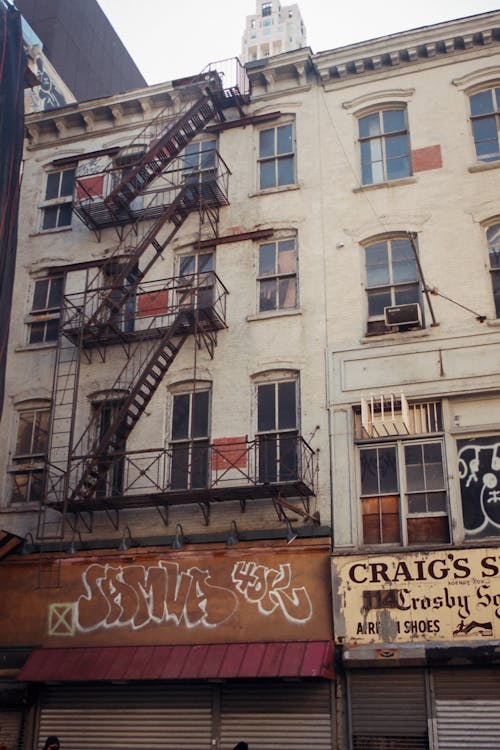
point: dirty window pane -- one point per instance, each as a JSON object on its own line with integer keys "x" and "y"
{"x": 286, "y": 405}
{"x": 267, "y": 296}
{"x": 369, "y": 126}
{"x": 285, "y": 142}
{"x": 266, "y": 407}
{"x": 267, "y": 174}
{"x": 394, "y": 120}
{"x": 481, "y": 103}
{"x": 266, "y": 143}
{"x": 180, "y": 417}
{"x": 377, "y": 264}
{"x": 200, "y": 414}
{"x": 267, "y": 259}
{"x": 52, "y": 190}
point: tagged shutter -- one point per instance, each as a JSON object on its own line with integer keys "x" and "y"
{"x": 163, "y": 717}
{"x": 277, "y": 715}
{"x": 467, "y": 708}
{"x": 388, "y": 710}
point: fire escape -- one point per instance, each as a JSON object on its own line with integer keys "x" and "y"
{"x": 148, "y": 320}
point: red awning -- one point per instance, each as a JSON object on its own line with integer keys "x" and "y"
{"x": 223, "y": 661}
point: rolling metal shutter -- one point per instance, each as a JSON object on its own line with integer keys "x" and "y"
{"x": 467, "y": 708}
{"x": 276, "y": 714}
{"x": 10, "y": 729}
{"x": 163, "y": 717}
{"x": 388, "y": 710}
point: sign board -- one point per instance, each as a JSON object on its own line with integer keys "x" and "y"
{"x": 450, "y": 595}
{"x": 143, "y": 598}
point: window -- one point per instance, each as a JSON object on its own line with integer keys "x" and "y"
{"x": 479, "y": 472}
{"x": 385, "y": 146}
{"x": 57, "y": 206}
{"x": 30, "y": 455}
{"x": 111, "y": 470}
{"x": 197, "y": 280}
{"x": 277, "y": 431}
{"x": 493, "y": 237}
{"x": 485, "y": 118}
{"x": 190, "y": 440}
{"x": 266, "y": 9}
{"x": 199, "y": 160}
{"x": 277, "y": 277}
{"x": 391, "y": 278}
{"x": 46, "y": 310}
{"x": 403, "y": 494}
{"x": 276, "y": 157}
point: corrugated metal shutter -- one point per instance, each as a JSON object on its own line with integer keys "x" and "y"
{"x": 10, "y": 729}
{"x": 388, "y": 710}
{"x": 167, "y": 717}
{"x": 467, "y": 708}
{"x": 277, "y": 715}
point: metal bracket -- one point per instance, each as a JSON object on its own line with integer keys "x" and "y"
{"x": 205, "y": 509}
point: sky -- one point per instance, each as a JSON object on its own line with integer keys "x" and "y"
{"x": 170, "y": 39}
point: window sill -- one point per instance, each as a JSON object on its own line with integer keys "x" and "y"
{"x": 18, "y": 507}
{"x": 271, "y": 191}
{"x": 41, "y": 232}
{"x": 273, "y": 314}
{"x": 386, "y": 184}
{"x": 36, "y": 347}
{"x": 395, "y": 337}
{"x": 484, "y": 166}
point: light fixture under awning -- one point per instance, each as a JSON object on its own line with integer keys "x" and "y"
{"x": 180, "y": 662}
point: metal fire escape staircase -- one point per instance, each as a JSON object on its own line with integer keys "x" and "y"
{"x": 73, "y": 479}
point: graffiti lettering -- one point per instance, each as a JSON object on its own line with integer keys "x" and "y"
{"x": 135, "y": 596}
{"x": 270, "y": 588}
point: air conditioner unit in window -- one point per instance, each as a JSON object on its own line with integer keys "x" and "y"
{"x": 403, "y": 315}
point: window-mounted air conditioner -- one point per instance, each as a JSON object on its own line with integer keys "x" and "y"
{"x": 403, "y": 315}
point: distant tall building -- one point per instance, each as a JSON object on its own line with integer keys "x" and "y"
{"x": 83, "y": 47}
{"x": 272, "y": 30}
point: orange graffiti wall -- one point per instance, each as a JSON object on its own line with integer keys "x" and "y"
{"x": 147, "y": 597}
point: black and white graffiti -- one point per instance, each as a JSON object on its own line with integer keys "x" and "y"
{"x": 479, "y": 470}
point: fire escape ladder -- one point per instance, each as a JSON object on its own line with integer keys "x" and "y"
{"x": 149, "y": 376}
{"x": 162, "y": 151}
{"x": 113, "y": 302}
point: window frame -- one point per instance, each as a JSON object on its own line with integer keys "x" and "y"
{"x": 400, "y": 491}
{"x": 203, "y": 293}
{"x": 481, "y": 117}
{"x": 278, "y": 442}
{"x": 44, "y": 318}
{"x": 274, "y": 159}
{"x": 32, "y": 464}
{"x": 384, "y": 137}
{"x": 197, "y": 447}
{"x": 57, "y": 205}
{"x": 276, "y": 275}
{"x": 375, "y": 321}
{"x": 494, "y": 268}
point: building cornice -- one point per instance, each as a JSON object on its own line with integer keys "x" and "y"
{"x": 405, "y": 49}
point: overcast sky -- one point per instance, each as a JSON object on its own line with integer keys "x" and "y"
{"x": 173, "y": 38}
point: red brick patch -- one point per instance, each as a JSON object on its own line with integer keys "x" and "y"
{"x": 152, "y": 303}
{"x": 229, "y": 452}
{"x": 426, "y": 158}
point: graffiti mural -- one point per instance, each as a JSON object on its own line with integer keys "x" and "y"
{"x": 135, "y": 596}
{"x": 479, "y": 471}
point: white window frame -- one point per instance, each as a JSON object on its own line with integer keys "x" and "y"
{"x": 393, "y": 287}
{"x": 190, "y": 441}
{"x": 481, "y": 117}
{"x": 275, "y": 158}
{"x": 493, "y": 240}
{"x": 59, "y": 204}
{"x": 46, "y": 318}
{"x": 33, "y": 463}
{"x": 382, "y": 139}
{"x": 277, "y": 276}
{"x": 403, "y": 494}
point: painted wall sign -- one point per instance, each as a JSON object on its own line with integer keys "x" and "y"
{"x": 411, "y": 597}
{"x": 479, "y": 471}
{"x": 177, "y": 598}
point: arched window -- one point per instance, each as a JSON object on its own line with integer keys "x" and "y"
{"x": 385, "y": 145}
{"x": 485, "y": 118}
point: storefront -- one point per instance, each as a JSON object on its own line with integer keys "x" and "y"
{"x": 195, "y": 648}
{"x": 419, "y": 634}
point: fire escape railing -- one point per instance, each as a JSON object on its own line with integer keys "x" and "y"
{"x": 233, "y": 471}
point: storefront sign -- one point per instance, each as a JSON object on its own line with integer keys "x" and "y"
{"x": 445, "y": 595}
{"x": 210, "y": 597}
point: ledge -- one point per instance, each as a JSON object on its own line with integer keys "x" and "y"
{"x": 388, "y": 183}
{"x": 273, "y": 314}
